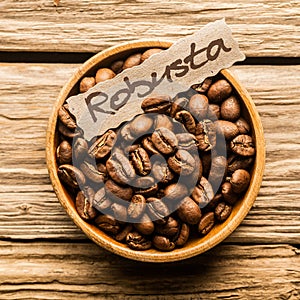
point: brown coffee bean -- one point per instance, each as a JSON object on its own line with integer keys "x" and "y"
{"x": 176, "y": 191}
{"x": 126, "y": 134}
{"x": 145, "y": 225}
{"x": 145, "y": 186}
{"x": 132, "y": 61}
{"x": 121, "y": 236}
{"x": 219, "y": 91}
{"x": 149, "y": 53}
{"x": 161, "y": 120}
{"x": 149, "y": 146}
{"x": 170, "y": 228}
{"x": 161, "y": 172}
{"x": 202, "y": 87}
{"x": 164, "y": 140}
{"x": 239, "y": 162}
{"x": 141, "y": 125}
{"x": 228, "y": 194}
{"x": 117, "y": 66}
{"x": 188, "y": 211}
{"x": 119, "y": 168}
{"x": 136, "y": 241}
{"x": 80, "y": 148}
{"x": 115, "y": 191}
{"x": 84, "y": 206}
{"x": 136, "y": 207}
{"x": 68, "y": 133}
{"x": 91, "y": 172}
{"x": 101, "y": 202}
{"x": 206, "y": 135}
{"x": 187, "y": 141}
{"x": 119, "y": 211}
{"x": 141, "y": 161}
{"x": 230, "y": 109}
{"x": 218, "y": 169}
{"x": 226, "y": 128}
{"x": 178, "y": 105}
{"x": 163, "y": 243}
{"x": 104, "y": 74}
{"x": 158, "y": 210}
{"x": 206, "y": 223}
{"x": 86, "y": 83}
{"x": 66, "y": 118}
{"x": 108, "y": 224}
{"x": 156, "y": 104}
{"x": 103, "y": 145}
{"x": 243, "y": 126}
{"x": 182, "y": 163}
{"x": 203, "y": 193}
{"x": 70, "y": 175}
{"x": 187, "y": 120}
{"x": 183, "y": 235}
{"x": 222, "y": 211}
{"x": 64, "y": 153}
{"x": 214, "y": 112}
{"x": 240, "y": 180}
{"x": 198, "y": 106}
{"x": 214, "y": 202}
{"x": 243, "y": 145}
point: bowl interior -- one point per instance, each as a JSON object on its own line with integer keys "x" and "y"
{"x": 195, "y": 245}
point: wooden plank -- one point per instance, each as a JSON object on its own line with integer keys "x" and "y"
{"x": 263, "y": 28}
{"x": 29, "y": 208}
{"x": 83, "y": 270}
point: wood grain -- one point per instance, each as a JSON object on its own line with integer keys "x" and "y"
{"x": 85, "y": 271}
{"x": 30, "y": 210}
{"x": 263, "y": 28}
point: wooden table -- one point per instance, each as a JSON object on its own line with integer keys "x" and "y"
{"x": 43, "y": 255}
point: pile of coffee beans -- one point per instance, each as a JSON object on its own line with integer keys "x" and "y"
{"x": 166, "y": 176}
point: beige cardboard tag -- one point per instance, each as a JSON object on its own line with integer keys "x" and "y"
{"x": 188, "y": 61}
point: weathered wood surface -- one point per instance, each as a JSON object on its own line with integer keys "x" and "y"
{"x": 263, "y": 28}
{"x": 84, "y": 271}
{"x": 30, "y": 210}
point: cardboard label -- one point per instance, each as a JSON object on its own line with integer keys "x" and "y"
{"x": 188, "y": 61}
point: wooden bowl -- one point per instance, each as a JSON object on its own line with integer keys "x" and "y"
{"x": 194, "y": 246}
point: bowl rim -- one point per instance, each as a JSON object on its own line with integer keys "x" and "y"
{"x": 104, "y": 240}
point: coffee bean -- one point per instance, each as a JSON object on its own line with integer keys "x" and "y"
{"x": 84, "y": 206}
{"x": 101, "y": 202}
{"x": 132, "y": 61}
{"x": 182, "y": 163}
{"x": 66, "y": 118}
{"x": 70, "y": 175}
{"x": 243, "y": 126}
{"x": 188, "y": 211}
{"x": 145, "y": 225}
{"x": 240, "y": 180}
{"x": 239, "y": 162}
{"x": 156, "y": 104}
{"x": 230, "y": 109}
{"x": 80, "y": 148}
{"x": 137, "y": 206}
{"x": 141, "y": 125}
{"x": 145, "y": 186}
{"x": 163, "y": 121}
{"x": 227, "y": 129}
{"x": 162, "y": 243}
{"x": 136, "y": 241}
{"x": 198, "y": 106}
{"x": 158, "y": 210}
{"x": 206, "y": 135}
{"x": 206, "y": 223}
{"x": 183, "y": 235}
{"x": 149, "y": 146}
{"x": 203, "y": 193}
{"x": 214, "y": 112}
{"x": 66, "y": 132}
{"x": 140, "y": 161}
{"x": 164, "y": 140}
{"x": 108, "y": 224}
{"x": 243, "y": 145}
{"x": 202, "y": 87}
{"x": 187, "y": 120}
{"x": 64, "y": 152}
{"x": 214, "y": 202}
{"x": 218, "y": 170}
{"x": 119, "y": 211}
{"x": 187, "y": 141}
{"x": 86, "y": 83}
{"x": 115, "y": 191}
{"x": 161, "y": 172}
{"x": 175, "y": 191}
{"x": 104, "y": 74}
{"x": 91, "y": 172}
{"x": 121, "y": 236}
{"x": 149, "y": 53}
{"x": 117, "y": 66}
{"x": 228, "y": 194}
{"x": 223, "y": 211}
{"x": 178, "y": 105}
{"x": 170, "y": 228}
{"x": 219, "y": 91}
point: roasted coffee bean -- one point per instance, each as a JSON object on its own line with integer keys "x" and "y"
{"x": 170, "y": 228}
{"x": 218, "y": 170}
{"x": 214, "y": 202}
{"x": 243, "y": 126}
{"x": 243, "y": 145}
{"x": 222, "y": 211}
{"x": 182, "y": 163}
{"x": 117, "y": 66}
{"x": 84, "y": 206}
{"x": 214, "y": 112}
{"x": 202, "y": 87}
{"x": 119, "y": 168}
{"x": 136, "y": 241}
{"x": 178, "y": 105}
{"x": 104, "y": 74}
{"x": 108, "y": 224}
{"x": 198, "y": 106}
{"x": 101, "y": 202}
{"x": 206, "y": 223}
{"x": 91, "y": 172}
{"x": 187, "y": 141}
{"x": 183, "y": 235}
{"x": 228, "y": 194}
{"x": 206, "y": 135}
{"x": 161, "y": 172}
{"x": 64, "y": 152}
{"x": 164, "y": 140}
{"x": 115, "y": 191}
{"x": 119, "y": 211}
{"x": 156, "y": 104}
{"x": 103, "y": 145}
{"x": 132, "y": 61}
{"x": 70, "y": 175}
{"x": 219, "y": 91}
{"x": 121, "y": 236}
{"x": 86, "y": 83}
{"x": 230, "y": 109}
{"x": 145, "y": 225}
{"x": 236, "y": 162}
{"x": 163, "y": 121}
{"x": 149, "y": 146}
{"x": 158, "y": 210}
{"x": 240, "y": 180}
{"x": 149, "y": 53}
{"x": 163, "y": 243}
{"x": 226, "y": 128}
{"x": 141, "y": 125}
{"x": 68, "y": 133}
{"x": 187, "y": 120}
{"x": 188, "y": 211}
{"x": 66, "y": 118}
{"x": 176, "y": 191}
{"x": 145, "y": 186}
{"x": 140, "y": 161}
{"x": 80, "y": 148}
{"x": 203, "y": 192}
{"x": 137, "y": 206}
